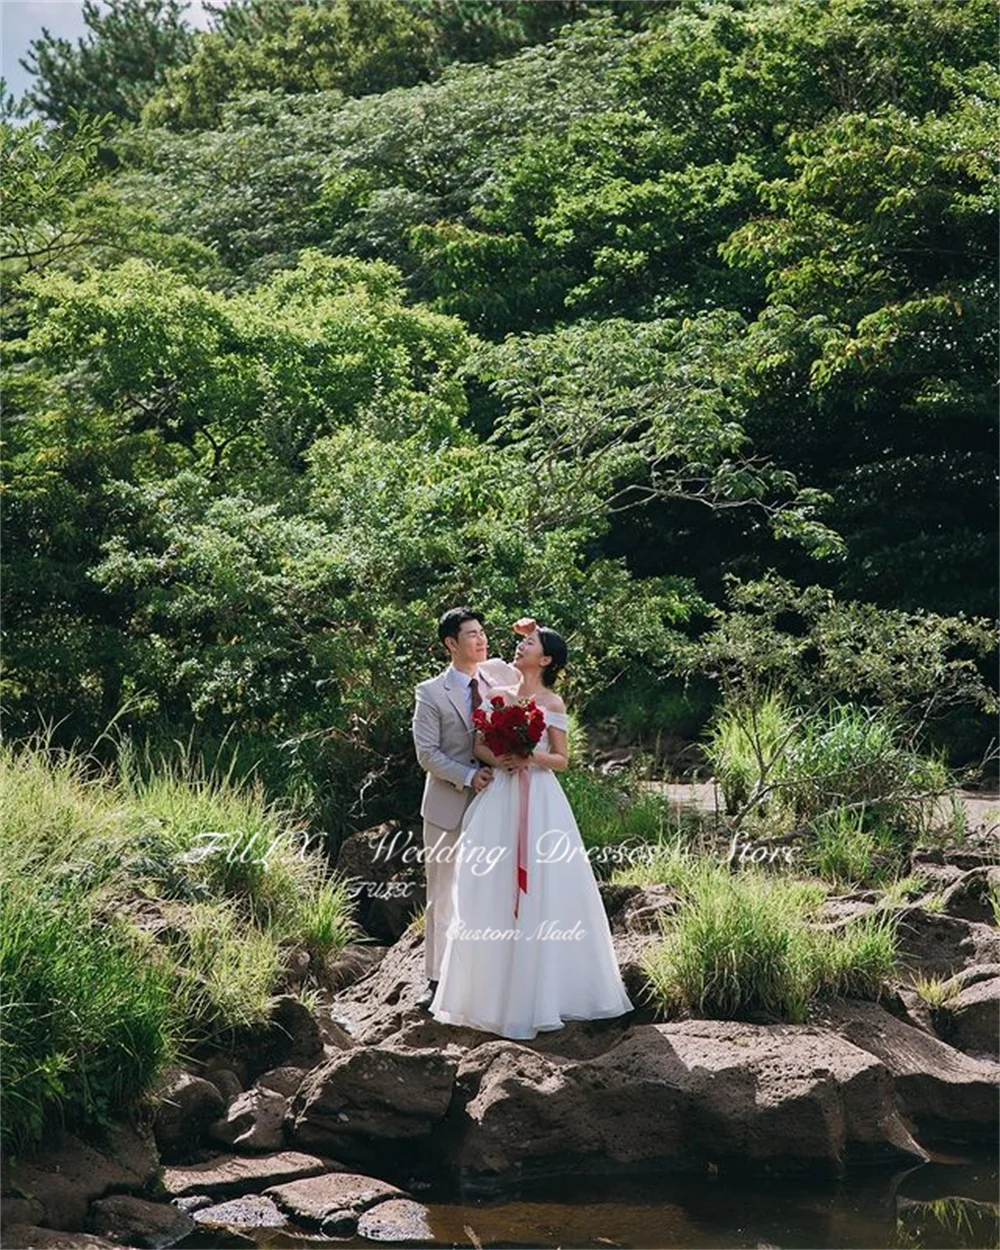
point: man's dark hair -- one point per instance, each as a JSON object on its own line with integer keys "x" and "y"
{"x": 454, "y": 619}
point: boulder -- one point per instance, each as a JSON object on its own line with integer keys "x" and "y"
{"x": 397, "y": 1222}
{"x": 936, "y": 944}
{"x": 71, "y": 1173}
{"x": 359, "y": 1100}
{"x": 969, "y": 897}
{"x": 774, "y": 1098}
{"x": 285, "y": 1080}
{"x": 254, "y": 1121}
{"x": 226, "y": 1082}
{"x": 186, "y": 1106}
{"x": 970, "y": 1019}
{"x": 229, "y": 1175}
{"x": 250, "y": 1211}
{"x": 291, "y": 1038}
{"x": 333, "y": 1203}
{"x": 948, "y": 1098}
{"x": 136, "y": 1222}
{"x": 355, "y": 961}
{"x": 383, "y": 867}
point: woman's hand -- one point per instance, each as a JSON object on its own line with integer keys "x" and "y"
{"x": 525, "y": 625}
{"x": 514, "y": 763}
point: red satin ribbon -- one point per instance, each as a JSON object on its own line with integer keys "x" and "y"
{"x": 524, "y": 789}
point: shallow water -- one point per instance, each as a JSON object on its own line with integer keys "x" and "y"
{"x": 868, "y": 1209}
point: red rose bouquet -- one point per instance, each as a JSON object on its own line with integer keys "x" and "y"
{"x": 511, "y": 728}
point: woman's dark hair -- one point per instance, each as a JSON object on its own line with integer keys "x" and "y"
{"x": 555, "y": 648}
{"x": 454, "y": 619}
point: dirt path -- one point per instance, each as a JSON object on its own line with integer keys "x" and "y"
{"x": 982, "y": 809}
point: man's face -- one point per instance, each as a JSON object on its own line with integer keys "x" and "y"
{"x": 470, "y": 646}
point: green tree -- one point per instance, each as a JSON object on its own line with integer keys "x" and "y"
{"x": 116, "y": 67}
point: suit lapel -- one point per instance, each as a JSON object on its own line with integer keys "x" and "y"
{"x": 457, "y": 697}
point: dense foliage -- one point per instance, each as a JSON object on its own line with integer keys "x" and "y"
{"x": 339, "y": 313}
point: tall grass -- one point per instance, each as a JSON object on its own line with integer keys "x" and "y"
{"x": 846, "y": 770}
{"x": 85, "y": 1019}
{"x": 742, "y": 944}
{"x": 91, "y": 1007}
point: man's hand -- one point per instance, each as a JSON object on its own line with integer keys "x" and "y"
{"x": 525, "y": 625}
{"x": 482, "y": 779}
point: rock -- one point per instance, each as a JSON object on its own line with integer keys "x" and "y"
{"x": 254, "y": 1121}
{"x": 30, "y": 1237}
{"x": 376, "y": 1007}
{"x": 645, "y": 911}
{"x": 681, "y": 1096}
{"x": 939, "y": 945}
{"x": 284, "y": 1080}
{"x": 382, "y": 864}
{"x": 186, "y": 1106}
{"x": 970, "y": 1019}
{"x": 615, "y": 898}
{"x": 291, "y": 1039}
{"x": 969, "y": 896}
{"x": 963, "y": 858}
{"x": 71, "y": 1174}
{"x": 362, "y": 1098}
{"x": 192, "y": 1203}
{"x": 332, "y": 1203}
{"x": 335, "y": 1037}
{"x": 250, "y": 1211}
{"x": 947, "y": 1097}
{"x": 398, "y": 1221}
{"x": 20, "y": 1211}
{"x": 354, "y": 962}
{"x": 226, "y": 1082}
{"x": 841, "y": 911}
{"x": 230, "y": 1174}
{"x": 136, "y": 1222}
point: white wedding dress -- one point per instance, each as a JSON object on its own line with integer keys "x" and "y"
{"x": 554, "y": 961}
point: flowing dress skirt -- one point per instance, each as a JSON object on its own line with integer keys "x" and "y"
{"x": 554, "y": 961}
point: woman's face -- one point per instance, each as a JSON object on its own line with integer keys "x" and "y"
{"x": 529, "y": 655}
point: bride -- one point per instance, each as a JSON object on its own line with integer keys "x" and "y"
{"x": 529, "y": 946}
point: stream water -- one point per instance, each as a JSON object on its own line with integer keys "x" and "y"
{"x": 949, "y": 1202}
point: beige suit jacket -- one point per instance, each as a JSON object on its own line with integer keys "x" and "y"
{"x": 444, "y": 737}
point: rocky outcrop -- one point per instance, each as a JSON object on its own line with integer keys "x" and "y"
{"x": 72, "y": 1174}
{"x": 360, "y": 1101}
{"x": 763, "y": 1098}
{"x": 969, "y": 1018}
{"x": 938, "y": 945}
{"x": 968, "y": 898}
{"x": 946, "y": 1097}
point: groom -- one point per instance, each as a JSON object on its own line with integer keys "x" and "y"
{"x": 444, "y": 737}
